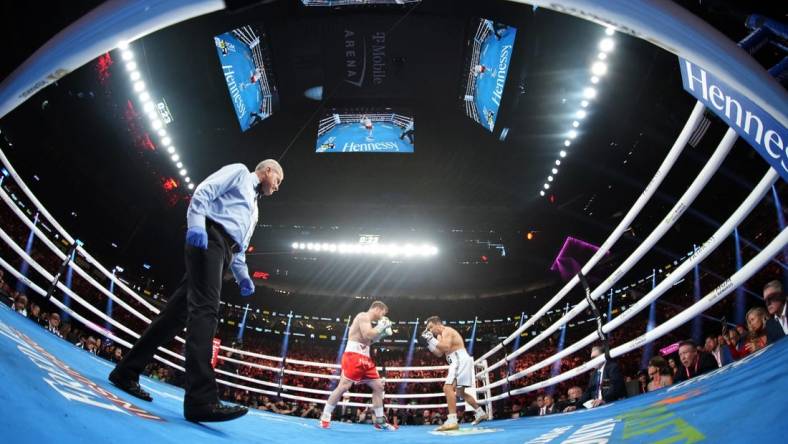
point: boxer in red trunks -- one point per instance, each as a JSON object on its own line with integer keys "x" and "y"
{"x": 357, "y": 365}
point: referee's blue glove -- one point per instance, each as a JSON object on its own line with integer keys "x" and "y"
{"x": 247, "y": 287}
{"x": 197, "y": 237}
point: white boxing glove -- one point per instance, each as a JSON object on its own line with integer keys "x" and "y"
{"x": 432, "y": 342}
{"x": 383, "y": 328}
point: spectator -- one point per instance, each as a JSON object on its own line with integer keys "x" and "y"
{"x": 674, "y": 367}
{"x": 548, "y": 407}
{"x": 53, "y": 325}
{"x": 718, "y": 350}
{"x": 694, "y": 362}
{"x": 642, "y": 381}
{"x": 574, "y": 395}
{"x": 20, "y": 305}
{"x": 756, "y": 332}
{"x": 536, "y": 407}
{"x": 665, "y": 377}
{"x": 311, "y": 412}
{"x": 117, "y": 355}
{"x": 655, "y": 364}
{"x": 774, "y": 298}
{"x": 34, "y": 314}
{"x": 607, "y": 383}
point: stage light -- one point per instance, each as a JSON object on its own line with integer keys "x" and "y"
{"x": 589, "y": 93}
{"x": 156, "y": 124}
{"x": 182, "y": 172}
{"x": 148, "y": 107}
{"x": 601, "y": 56}
{"x": 531, "y": 235}
{"x": 562, "y": 153}
{"x": 572, "y": 134}
{"x": 547, "y": 186}
{"x": 127, "y": 55}
{"x": 581, "y": 114}
{"x": 610, "y": 30}
{"x": 135, "y": 75}
{"x": 301, "y": 246}
{"x": 317, "y": 247}
{"x": 541, "y": 193}
{"x": 144, "y": 97}
{"x": 139, "y": 86}
{"x": 162, "y": 132}
{"x": 191, "y": 186}
{"x": 131, "y": 66}
{"x": 575, "y": 124}
{"x": 606, "y": 44}
{"x": 166, "y": 141}
{"x": 188, "y": 179}
{"x": 310, "y": 246}
{"x": 171, "y": 149}
{"x": 567, "y": 143}
{"x": 549, "y": 178}
{"x": 594, "y": 80}
{"x": 295, "y": 245}
{"x": 179, "y": 165}
{"x": 557, "y": 162}
{"x": 555, "y": 171}
{"x": 584, "y": 103}
{"x": 599, "y": 68}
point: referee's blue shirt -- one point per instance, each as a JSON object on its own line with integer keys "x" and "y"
{"x": 228, "y": 197}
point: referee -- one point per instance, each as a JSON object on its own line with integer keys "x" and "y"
{"x": 221, "y": 218}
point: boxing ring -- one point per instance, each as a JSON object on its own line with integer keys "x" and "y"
{"x": 47, "y": 378}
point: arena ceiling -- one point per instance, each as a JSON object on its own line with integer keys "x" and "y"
{"x": 80, "y": 142}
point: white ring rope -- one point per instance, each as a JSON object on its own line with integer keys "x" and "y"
{"x": 738, "y": 279}
{"x": 673, "y": 215}
{"x": 678, "y": 146}
{"x": 685, "y": 267}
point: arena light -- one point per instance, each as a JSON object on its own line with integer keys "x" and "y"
{"x": 144, "y": 97}
{"x": 295, "y": 245}
{"x": 606, "y": 44}
{"x": 179, "y": 165}
{"x": 572, "y": 134}
{"x": 126, "y": 54}
{"x": 166, "y": 141}
{"x": 131, "y": 66}
{"x": 156, "y": 124}
{"x": 562, "y": 153}
{"x": 546, "y": 186}
{"x": 139, "y": 86}
{"x": 188, "y": 179}
{"x": 581, "y": 114}
{"x": 557, "y": 162}
{"x": 567, "y": 143}
{"x": 584, "y": 103}
{"x": 610, "y": 30}
{"x": 162, "y": 132}
{"x": 575, "y": 124}
{"x": 541, "y": 193}
{"x": 601, "y": 56}
{"x": 391, "y": 250}
{"x": 182, "y": 172}
{"x": 191, "y": 186}
{"x": 149, "y": 107}
{"x": 135, "y": 75}
{"x": 555, "y": 171}
{"x": 549, "y": 178}
{"x": 589, "y": 92}
{"x": 594, "y": 80}
{"x": 599, "y": 68}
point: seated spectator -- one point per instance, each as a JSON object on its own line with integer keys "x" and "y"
{"x": 311, "y": 412}
{"x": 53, "y": 325}
{"x": 642, "y": 381}
{"x": 755, "y": 339}
{"x": 654, "y": 366}
{"x": 34, "y": 314}
{"x": 694, "y": 362}
{"x": 774, "y": 298}
{"x": 117, "y": 355}
{"x": 574, "y": 395}
{"x": 674, "y": 367}
{"x": 548, "y": 407}
{"x": 536, "y": 406}
{"x": 20, "y": 305}
{"x": 719, "y": 350}
{"x": 607, "y": 383}
{"x": 665, "y": 377}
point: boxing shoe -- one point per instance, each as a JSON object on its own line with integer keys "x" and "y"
{"x": 325, "y": 421}
{"x": 479, "y": 416}
{"x": 382, "y": 424}
{"x": 448, "y": 427}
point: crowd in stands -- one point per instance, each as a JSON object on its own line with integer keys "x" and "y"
{"x": 624, "y": 376}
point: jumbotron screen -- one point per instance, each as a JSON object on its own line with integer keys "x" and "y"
{"x": 245, "y": 60}
{"x": 488, "y": 56}
{"x": 366, "y": 130}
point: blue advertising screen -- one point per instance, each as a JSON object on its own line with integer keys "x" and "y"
{"x": 245, "y": 61}
{"x": 366, "y": 130}
{"x": 489, "y": 55}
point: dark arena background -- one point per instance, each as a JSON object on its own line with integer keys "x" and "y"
{"x": 592, "y": 201}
